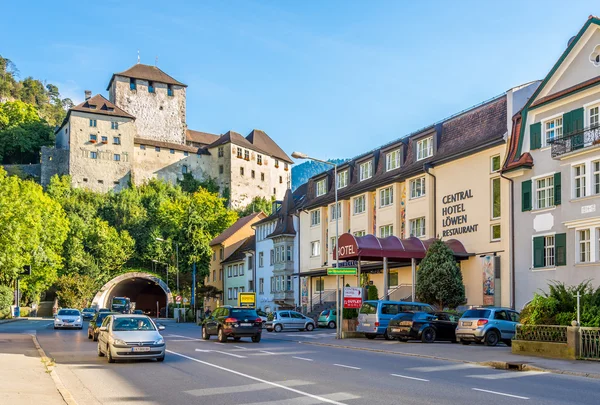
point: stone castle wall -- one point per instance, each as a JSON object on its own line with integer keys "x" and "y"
{"x": 54, "y": 162}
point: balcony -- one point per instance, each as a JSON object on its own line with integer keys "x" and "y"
{"x": 575, "y": 141}
{"x": 283, "y": 295}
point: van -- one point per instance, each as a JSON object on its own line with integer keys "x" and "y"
{"x": 374, "y": 316}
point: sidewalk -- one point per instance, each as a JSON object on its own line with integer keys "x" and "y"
{"x": 24, "y": 379}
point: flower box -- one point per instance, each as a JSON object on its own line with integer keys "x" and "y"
{"x": 92, "y": 141}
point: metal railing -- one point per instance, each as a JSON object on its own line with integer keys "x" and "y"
{"x": 402, "y": 292}
{"x": 542, "y": 333}
{"x": 576, "y": 140}
{"x": 589, "y": 343}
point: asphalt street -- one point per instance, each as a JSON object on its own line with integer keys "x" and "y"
{"x": 280, "y": 370}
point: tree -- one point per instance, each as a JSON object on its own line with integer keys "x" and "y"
{"x": 190, "y": 184}
{"x": 6, "y": 297}
{"x": 372, "y": 293}
{"x": 258, "y": 204}
{"x": 76, "y": 291}
{"x": 15, "y": 113}
{"x": 439, "y": 280}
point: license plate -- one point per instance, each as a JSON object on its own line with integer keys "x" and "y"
{"x": 467, "y": 323}
{"x": 245, "y": 324}
{"x": 68, "y": 320}
{"x": 366, "y": 324}
{"x": 140, "y": 349}
{"x": 400, "y": 329}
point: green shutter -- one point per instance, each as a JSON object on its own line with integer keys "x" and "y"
{"x": 567, "y": 124}
{"x": 557, "y": 189}
{"x": 535, "y": 136}
{"x": 538, "y": 251}
{"x": 576, "y": 127}
{"x": 526, "y": 196}
{"x": 560, "y": 249}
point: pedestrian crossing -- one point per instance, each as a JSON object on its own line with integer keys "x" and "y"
{"x": 310, "y": 335}
{"x": 470, "y": 366}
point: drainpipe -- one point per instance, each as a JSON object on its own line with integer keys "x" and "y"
{"x": 426, "y": 168}
{"x": 512, "y": 240}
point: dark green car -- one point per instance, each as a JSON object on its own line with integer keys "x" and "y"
{"x": 95, "y": 323}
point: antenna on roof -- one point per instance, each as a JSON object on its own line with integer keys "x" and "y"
{"x": 138, "y": 56}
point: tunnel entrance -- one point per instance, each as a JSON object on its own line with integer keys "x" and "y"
{"x": 146, "y": 290}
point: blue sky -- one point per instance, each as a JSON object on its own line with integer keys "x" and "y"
{"x": 329, "y": 78}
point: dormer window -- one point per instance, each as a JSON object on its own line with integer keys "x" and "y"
{"x": 425, "y": 148}
{"x": 342, "y": 179}
{"x": 132, "y": 84}
{"x": 321, "y": 187}
{"x": 93, "y": 123}
{"x": 150, "y": 87}
{"x": 169, "y": 91}
{"x": 366, "y": 170}
{"x": 392, "y": 160}
{"x": 114, "y": 125}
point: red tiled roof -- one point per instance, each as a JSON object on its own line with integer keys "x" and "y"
{"x": 200, "y": 137}
{"x": 239, "y": 224}
{"x": 263, "y": 141}
{"x": 100, "y": 105}
{"x": 146, "y": 72}
{"x": 512, "y": 160}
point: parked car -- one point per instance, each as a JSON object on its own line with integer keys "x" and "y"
{"x": 95, "y": 323}
{"x": 124, "y": 336}
{"x": 138, "y": 312}
{"x": 263, "y": 315}
{"x": 374, "y": 316}
{"x": 68, "y": 318}
{"x": 425, "y": 326}
{"x": 289, "y": 320}
{"x": 327, "y": 319}
{"x": 104, "y": 310}
{"x": 489, "y": 325}
{"x": 88, "y": 313}
{"x": 232, "y": 322}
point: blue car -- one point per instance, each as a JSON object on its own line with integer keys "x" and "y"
{"x": 374, "y": 316}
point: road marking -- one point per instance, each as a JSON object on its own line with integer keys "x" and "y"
{"x": 509, "y": 374}
{"x": 306, "y": 394}
{"x": 301, "y": 358}
{"x": 444, "y": 368}
{"x": 410, "y": 378}
{"x": 185, "y": 340}
{"x": 244, "y": 388}
{"x": 255, "y": 349}
{"x": 353, "y": 368}
{"x": 180, "y": 336}
{"x": 337, "y": 396}
{"x": 265, "y": 353}
{"x": 499, "y": 393}
{"x": 219, "y": 343}
{"x": 219, "y": 351}
{"x": 302, "y": 336}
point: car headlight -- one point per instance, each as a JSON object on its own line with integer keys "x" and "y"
{"x": 119, "y": 342}
{"x": 160, "y": 341}
{"x": 79, "y": 319}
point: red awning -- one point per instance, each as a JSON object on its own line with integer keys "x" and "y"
{"x": 371, "y": 248}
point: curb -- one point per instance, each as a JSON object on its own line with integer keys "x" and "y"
{"x": 504, "y": 365}
{"x": 64, "y": 392}
{"x": 12, "y": 320}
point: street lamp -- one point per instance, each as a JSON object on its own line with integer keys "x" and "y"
{"x": 300, "y": 155}
{"x": 166, "y": 270}
{"x": 176, "y": 260}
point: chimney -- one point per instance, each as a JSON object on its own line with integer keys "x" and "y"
{"x": 88, "y": 94}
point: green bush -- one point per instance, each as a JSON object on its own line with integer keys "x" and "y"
{"x": 350, "y": 313}
{"x": 6, "y": 297}
{"x": 372, "y": 293}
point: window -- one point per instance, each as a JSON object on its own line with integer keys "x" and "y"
{"x": 221, "y": 253}
{"x": 333, "y": 244}
{"x": 359, "y": 204}
{"x": 261, "y": 259}
{"x": 320, "y": 285}
{"x": 496, "y": 207}
{"x": 172, "y": 151}
{"x": 386, "y": 197}
{"x": 392, "y": 160}
{"x": 117, "y": 157}
{"x": 417, "y": 187}
{"x": 496, "y": 235}
{"x": 104, "y": 139}
{"x": 495, "y": 164}
{"x": 277, "y": 255}
{"x": 229, "y": 271}
{"x": 93, "y": 123}
{"x": 221, "y": 151}
{"x": 285, "y": 167}
{"x": 596, "y": 177}
{"x": 235, "y": 270}
{"x": 239, "y": 153}
{"x": 342, "y": 179}
{"x": 157, "y": 148}
{"x": 549, "y": 251}
{"x": 274, "y": 191}
{"x": 315, "y": 217}
{"x": 277, "y": 283}
{"x": 583, "y": 239}
{"x": 214, "y": 275}
{"x": 280, "y": 180}
{"x": 261, "y": 285}
{"x": 289, "y": 254}
{"x": 272, "y": 284}
{"x": 425, "y": 148}
{"x": 289, "y": 283}
{"x": 252, "y": 174}
{"x": 276, "y": 163}
{"x": 386, "y": 230}
{"x": 417, "y": 227}
{"x": 246, "y": 154}
{"x": 241, "y": 269}
{"x": 544, "y": 192}
{"x": 359, "y": 233}
{"x": 132, "y": 84}
{"x": 241, "y": 171}
{"x": 241, "y": 289}
{"x": 150, "y": 87}
{"x": 579, "y": 181}
{"x": 271, "y": 257}
{"x": 552, "y": 129}
{"x": 184, "y": 169}
{"x": 262, "y": 177}
{"x": 117, "y": 140}
{"x": 93, "y": 138}
{"x": 94, "y": 155}
{"x": 142, "y": 147}
{"x": 335, "y": 212}
{"x": 315, "y": 248}
{"x": 169, "y": 90}
{"x": 220, "y": 274}
{"x": 100, "y": 181}
{"x": 365, "y": 170}
{"x": 594, "y": 116}
{"x": 321, "y": 187}
{"x": 235, "y": 293}
{"x": 114, "y": 125}
{"x": 186, "y": 153}
{"x": 221, "y": 169}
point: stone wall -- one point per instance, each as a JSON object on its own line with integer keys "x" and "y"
{"x": 54, "y": 162}
{"x": 25, "y": 171}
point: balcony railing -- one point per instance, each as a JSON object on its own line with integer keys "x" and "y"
{"x": 283, "y": 295}
{"x": 575, "y": 141}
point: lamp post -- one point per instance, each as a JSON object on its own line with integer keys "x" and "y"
{"x": 176, "y": 260}
{"x": 338, "y": 317}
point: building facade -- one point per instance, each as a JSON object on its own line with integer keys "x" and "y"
{"x": 238, "y": 272}
{"x": 554, "y": 161}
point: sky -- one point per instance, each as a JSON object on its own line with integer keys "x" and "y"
{"x": 332, "y": 79}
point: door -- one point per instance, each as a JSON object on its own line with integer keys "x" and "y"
{"x": 285, "y": 319}
{"x": 444, "y": 327}
{"x": 103, "y": 335}
{"x": 501, "y": 321}
{"x": 211, "y": 325}
{"x": 388, "y": 311}
{"x": 298, "y": 320}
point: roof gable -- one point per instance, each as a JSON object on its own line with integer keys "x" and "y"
{"x": 264, "y": 142}
{"x": 146, "y": 72}
{"x": 237, "y": 226}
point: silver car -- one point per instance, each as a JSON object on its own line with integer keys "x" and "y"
{"x": 289, "y": 320}
{"x": 489, "y": 325}
{"x": 68, "y": 318}
{"x": 125, "y": 336}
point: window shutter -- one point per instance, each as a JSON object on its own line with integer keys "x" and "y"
{"x": 560, "y": 251}
{"x": 538, "y": 251}
{"x": 567, "y": 124}
{"x": 557, "y": 189}
{"x": 535, "y": 136}
{"x": 576, "y": 127}
{"x": 526, "y": 196}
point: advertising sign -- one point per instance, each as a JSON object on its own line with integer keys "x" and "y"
{"x": 247, "y": 299}
{"x": 352, "y": 297}
{"x": 488, "y": 281}
{"x": 342, "y": 271}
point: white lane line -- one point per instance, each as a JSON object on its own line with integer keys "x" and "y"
{"x": 444, "y": 368}
{"x": 186, "y": 340}
{"x": 337, "y": 396}
{"x": 256, "y": 350}
{"x": 219, "y": 351}
{"x": 509, "y": 374}
{"x": 409, "y": 378}
{"x": 353, "y": 368}
{"x": 244, "y": 388}
{"x": 180, "y": 336}
{"x": 242, "y": 347}
{"x": 219, "y": 343}
{"x": 499, "y": 393}
{"x": 301, "y": 358}
{"x": 306, "y": 394}
{"x": 279, "y": 353}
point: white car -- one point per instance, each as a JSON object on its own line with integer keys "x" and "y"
{"x": 68, "y": 318}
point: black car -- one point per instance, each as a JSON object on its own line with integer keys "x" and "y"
{"x": 88, "y": 313}
{"x": 232, "y": 322}
{"x": 426, "y": 326}
{"x": 95, "y": 323}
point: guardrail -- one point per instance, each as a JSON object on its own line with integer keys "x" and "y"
{"x": 542, "y": 333}
{"x": 589, "y": 345}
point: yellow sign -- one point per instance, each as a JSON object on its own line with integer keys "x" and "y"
{"x": 247, "y": 299}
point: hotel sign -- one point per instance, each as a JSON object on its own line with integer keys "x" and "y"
{"x": 454, "y": 216}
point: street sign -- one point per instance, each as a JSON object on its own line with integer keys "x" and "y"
{"x": 352, "y": 297}
{"x": 247, "y": 299}
{"x": 178, "y": 299}
{"x": 342, "y": 271}
{"x": 185, "y": 300}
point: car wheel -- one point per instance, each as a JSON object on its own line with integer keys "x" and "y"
{"x": 100, "y": 354}
{"x": 508, "y": 342}
{"x": 221, "y": 336}
{"x": 491, "y": 338}
{"x": 370, "y": 336}
{"x": 95, "y": 337}
{"x": 256, "y": 338}
{"x": 386, "y": 336}
{"x": 55, "y": 328}
{"x": 428, "y": 335}
{"x": 161, "y": 358}
{"x": 331, "y": 325}
{"x": 205, "y": 335}
{"x": 90, "y": 335}
{"x": 310, "y": 327}
{"x": 109, "y": 355}
{"x": 465, "y": 342}
{"x": 278, "y": 328}
{"x": 237, "y": 339}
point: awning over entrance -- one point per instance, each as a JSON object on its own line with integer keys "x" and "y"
{"x": 371, "y": 248}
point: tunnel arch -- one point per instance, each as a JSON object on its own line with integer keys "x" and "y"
{"x": 139, "y": 286}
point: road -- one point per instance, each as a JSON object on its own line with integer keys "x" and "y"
{"x": 280, "y": 371}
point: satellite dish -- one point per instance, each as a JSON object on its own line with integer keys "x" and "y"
{"x": 570, "y": 41}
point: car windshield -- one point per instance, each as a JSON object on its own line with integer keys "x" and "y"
{"x": 369, "y": 308}
{"x": 132, "y": 324}
{"x": 477, "y": 313}
{"x": 325, "y": 313}
{"x": 89, "y": 310}
{"x": 68, "y": 312}
{"x": 101, "y": 316}
{"x": 244, "y": 313}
